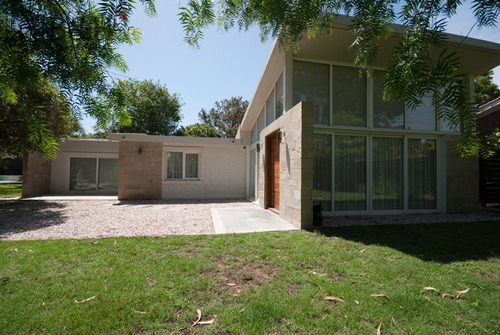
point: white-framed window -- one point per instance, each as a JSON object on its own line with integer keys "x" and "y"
{"x": 182, "y": 164}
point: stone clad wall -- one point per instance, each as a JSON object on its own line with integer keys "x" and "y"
{"x": 36, "y": 175}
{"x": 296, "y": 165}
{"x": 140, "y": 171}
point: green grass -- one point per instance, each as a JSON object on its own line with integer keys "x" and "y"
{"x": 10, "y": 190}
{"x": 265, "y": 283}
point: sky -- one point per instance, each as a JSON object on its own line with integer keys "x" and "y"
{"x": 226, "y": 64}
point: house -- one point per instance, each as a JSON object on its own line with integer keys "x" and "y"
{"x": 314, "y": 135}
{"x": 318, "y": 134}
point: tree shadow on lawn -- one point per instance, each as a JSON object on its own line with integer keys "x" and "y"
{"x": 438, "y": 242}
{"x": 17, "y": 216}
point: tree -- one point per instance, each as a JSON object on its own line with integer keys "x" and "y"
{"x": 70, "y": 43}
{"x": 412, "y": 73}
{"x": 152, "y": 109}
{"x": 485, "y": 89}
{"x": 226, "y": 116}
{"x": 198, "y": 130}
{"x": 40, "y": 115}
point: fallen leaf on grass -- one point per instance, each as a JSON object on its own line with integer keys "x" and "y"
{"x": 461, "y": 292}
{"x": 199, "y": 317}
{"x": 356, "y": 302}
{"x": 231, "y": 284}
{"x": 381, "y": 295}
{"x": 378, "y": 329}
{"x": 444, "y": 294}
{"x": 330, "y": 298}
{"x": 362, "y": 251}
{"x": 84, "y": 300}
{"x": 319, "y": 274}
{"x": 209, "y": 322}
{"x": 139, "y": 312}
{"x": 199, "y": 322}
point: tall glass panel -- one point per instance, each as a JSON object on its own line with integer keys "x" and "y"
{"x": 350, "y": 173}
{"x": 83, "y": 174}
{"x": 270, "y": 106}
{"x": 322, "y": 171}
{"x": 311, "y": 82}
{"x": 386, "y": 114}
{"x": 279, "y": 96}
{"x": 174, "y": 165}
{"x": 253, "y": 171}
{"x": 423, "y": 117}
{"x": 261, "y": 122}
{"x": 349, "y": 97}
{"x": 254, "y": 133}
{"x": 108, "y": 175}
{"x": 422, "y": 179}
{"x": 387, "y": 169}
{"x": 192, "y": 166}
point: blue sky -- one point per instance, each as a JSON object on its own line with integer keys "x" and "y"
{"x": 227, "y": 64}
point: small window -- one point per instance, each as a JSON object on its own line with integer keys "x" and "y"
{"x": 182, "y": 165}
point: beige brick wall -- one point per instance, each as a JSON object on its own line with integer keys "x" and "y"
{"x": 36, "y": 175}
{"x": 296, "y": 165}
{"x": 140, "y": 173}
{"x": 462, "y": 180}
{"x": 222, "y": 175}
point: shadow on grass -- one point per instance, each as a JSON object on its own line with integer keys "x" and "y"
{"x": 17, "y": 216}
{"x": 438, "y": 242}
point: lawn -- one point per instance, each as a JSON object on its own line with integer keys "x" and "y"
{"x": 355, "y": 280}
{"x": 10, "y": 190}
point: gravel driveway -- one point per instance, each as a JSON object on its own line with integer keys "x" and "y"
{"x": 44, "y": 219}
{"x": 54, "y": 219}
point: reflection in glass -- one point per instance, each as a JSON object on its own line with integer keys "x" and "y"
{"x": 422, "y": 179}
{"x": 349, "y": 97}
{"x": 350, "y": 173}
{"x": 83, "y": 174}
{"x": 108, "y": 175}
{"x": 387, "y": 169}
{"x": 311, "y": 82}
{"x": 322, "y": 175}
{"x": 386, "y": 114}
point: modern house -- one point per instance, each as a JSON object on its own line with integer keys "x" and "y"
{"x": 315, "y": 134}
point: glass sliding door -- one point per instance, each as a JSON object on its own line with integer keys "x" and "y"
{"x": 350, "y": 173}
{"x": 108, "y": 175}
{"x": 387, "y": 173}
{"x": 322, "y": 165}
{"x": 83, "y": 174}
{"x": 422, "y": 175}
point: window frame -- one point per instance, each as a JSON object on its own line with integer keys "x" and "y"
{"x": 185, "y": 152}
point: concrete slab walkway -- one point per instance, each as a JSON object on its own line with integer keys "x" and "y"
{"x": 247, "y": 220}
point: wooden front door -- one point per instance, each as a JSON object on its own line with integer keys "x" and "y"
{"x": 273, "y": 171}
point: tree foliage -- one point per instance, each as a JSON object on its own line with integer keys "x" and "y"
{"x": 485, "y": 89}
{"x": 198, "y": 130}
{"x": 40, "y": 115}
{"x": 70, "y": 43}
{"x": 225, "y": 116}
{"x": 150, "y": 107}
{"x": 412, "y": 73}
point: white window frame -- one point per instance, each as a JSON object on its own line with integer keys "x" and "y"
{"x": 184, "y": 152}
